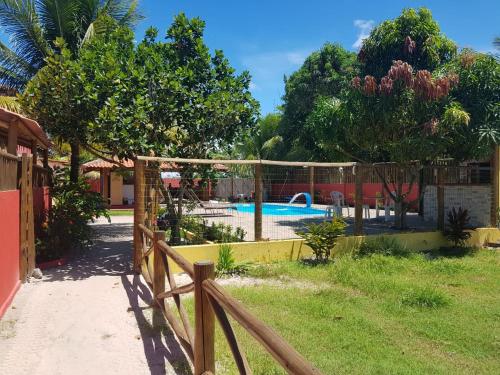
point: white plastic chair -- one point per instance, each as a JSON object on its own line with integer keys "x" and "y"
{"x": 388, "y": 206}
{"x": 338, "y": 203}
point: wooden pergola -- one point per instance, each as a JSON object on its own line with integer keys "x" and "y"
{"x": 19, "y": 135}
{"x": 105, "y": 167}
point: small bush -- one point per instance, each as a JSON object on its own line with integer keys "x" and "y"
{"x": 455, "y": 231}
{"x": 219, "y": 232}
{"x": 425, "y": 298}
{"x": 383, "y": 246}
{"x": 66, "y": 225}
{"x": 226, "y": 264}
{"x": 321, "y": 238}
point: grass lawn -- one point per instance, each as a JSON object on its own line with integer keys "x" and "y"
{"x": 379, "y": 315}
{"x": 124, "y": 212}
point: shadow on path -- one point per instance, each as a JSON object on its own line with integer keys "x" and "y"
{"x": 159, "y": 341}
{"x": 111, "y": 254}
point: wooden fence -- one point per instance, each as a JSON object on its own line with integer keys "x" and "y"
{"x": 8, "y": 171}
{"x": 211, "y": 301}
{"x": 151, "y": 258}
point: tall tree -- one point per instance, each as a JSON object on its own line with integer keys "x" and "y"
{"x": 405, "y": 118}
{"x": 54, "y": 97}
{"x": 478, "y": 91}
{"x": 169, "y": 98}
{"x": 414, "y": 37}
{"x": 33, "y": 27}
{"x": 324, "y": 73}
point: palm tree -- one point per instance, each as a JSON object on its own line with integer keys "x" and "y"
{"x": 496, "y": 42}
{"x": 263, "y": 141}
{"x": 33, "y": 26}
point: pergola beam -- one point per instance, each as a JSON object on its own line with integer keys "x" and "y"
{"x": 249, "y": 162}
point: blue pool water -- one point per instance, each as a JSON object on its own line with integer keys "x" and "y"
{"x": 279, "y": 209}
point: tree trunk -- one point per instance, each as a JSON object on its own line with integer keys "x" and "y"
{"x": 175, "y": 236}
{"x": 75, "y": 161}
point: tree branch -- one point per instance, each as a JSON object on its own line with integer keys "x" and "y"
{"x": 100, "y": 156}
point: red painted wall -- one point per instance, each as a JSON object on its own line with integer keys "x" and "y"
{"x": 370, "y": 191}
{"x": 95, "y": 185}
{"x": 9, "y": 247}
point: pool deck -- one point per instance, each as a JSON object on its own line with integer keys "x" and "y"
{"x": 277, "y": 227}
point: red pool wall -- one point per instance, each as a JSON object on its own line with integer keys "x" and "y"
{"x": 369, "y": 190}
{"x": 9, "y": 247}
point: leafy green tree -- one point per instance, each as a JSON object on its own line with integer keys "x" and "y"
{"x": 324, "y": 73}
{"x": 414, "y": 37}
{"x": 54, "y": 98}
{"x": 405, "y": 118}
{"x": 261, "y": 141}
{"x": 165, "y": 98}
{"x": 171, "y": 98}
{"x": 478, "y": 91}
{"x": 33, "y": 27}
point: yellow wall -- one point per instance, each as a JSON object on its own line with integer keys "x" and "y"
{"x": 116, "y": 189}
{"x": 268, "y": 251}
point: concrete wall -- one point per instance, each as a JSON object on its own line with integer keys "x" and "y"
{"x": 240, "y": 186}
{"x": 269, "y": 251}
{"x": 475, "y": 198}
{"x": 9, "y": 247}
{"x": 116, "y": 189}
{"x": 128, "y": 192}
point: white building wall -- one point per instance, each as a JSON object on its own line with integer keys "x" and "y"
{"x": 475, "y": 198}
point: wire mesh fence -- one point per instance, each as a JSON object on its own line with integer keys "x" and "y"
{"x": 230, "y": 201}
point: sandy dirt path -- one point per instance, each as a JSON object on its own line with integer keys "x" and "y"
{"x": 91, "y": 316}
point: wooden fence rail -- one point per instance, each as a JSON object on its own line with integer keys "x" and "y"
{"x": 211, "y": 301}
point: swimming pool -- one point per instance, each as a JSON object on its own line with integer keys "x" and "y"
{"x": 279, "y": 209}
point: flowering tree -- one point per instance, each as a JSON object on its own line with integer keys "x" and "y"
{"x": 403, "y": 118}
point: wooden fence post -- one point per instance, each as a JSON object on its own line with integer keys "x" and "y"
{"x": 12, "y": 137}
{"x": 258, "y": 203}
{"x": 204, "y": 351}
{"x": 159, "y": 273}
{"x": 139, "y": 211}
{"x": 26, "y": 220}
{"x": 495, "y": 186}
{"x": 158, "y": 266}
{"x": 440, "y": 198}
{"x": 311, "y": 183}
{"x": 358, "y": 201}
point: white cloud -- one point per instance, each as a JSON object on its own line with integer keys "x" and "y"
{"x": 364, "y": 26}
{"x": 271, "y": 65}
{"x": 253, "y": 86}
{"x": 268, "y": 69}
{"x": 296, "y": 58}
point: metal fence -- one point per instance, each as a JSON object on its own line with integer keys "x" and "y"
{"x": 205, "y": 201}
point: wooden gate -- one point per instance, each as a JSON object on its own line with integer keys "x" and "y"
{"x": 26, "y": 219}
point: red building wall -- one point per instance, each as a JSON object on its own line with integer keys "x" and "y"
{"x": 370, "y": 191}
{"x": 9, "y": 247}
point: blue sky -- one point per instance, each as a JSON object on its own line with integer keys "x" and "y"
{"x": 272, "y": 38}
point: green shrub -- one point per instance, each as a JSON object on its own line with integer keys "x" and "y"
{"x": 222, "y": 233}
{"x": 383, "y": 246}
{"x": 66, "y": 225}
{"x": 226, "y": 264}
{"x": 216, "y": 232}
{"x": 455, "y": 231}
{"x": 196, "y": 226}
{"x": 425, "y": 297}
{"x": 321, "y": 238}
